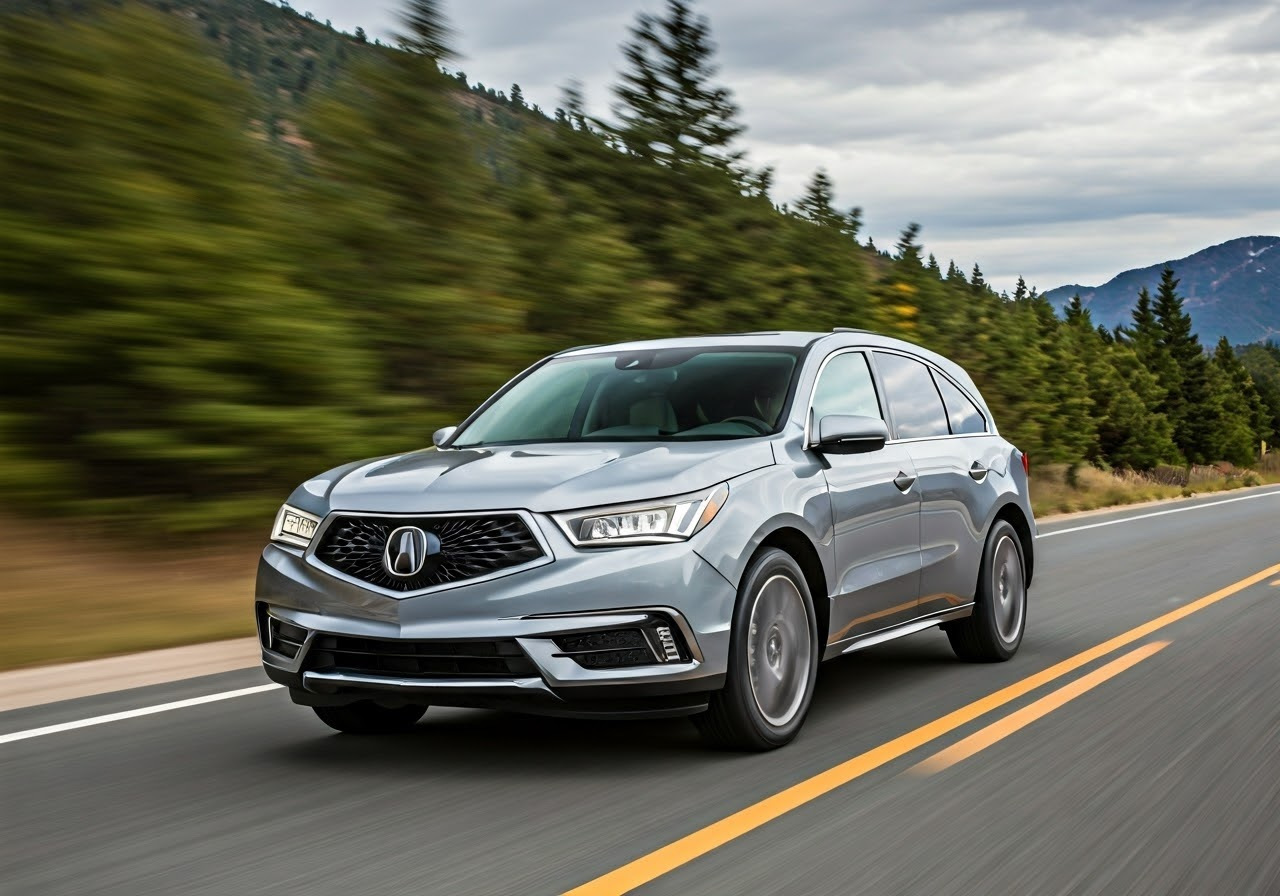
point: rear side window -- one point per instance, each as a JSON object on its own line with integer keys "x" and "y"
{"x": 846, "y": 387}
{"x": 962, "y": 413}
{"x": 913, "y": 398}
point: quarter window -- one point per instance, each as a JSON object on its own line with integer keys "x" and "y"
{"x": 846, "y": 387}
{"x": 913, "y": 398}
{"x": 962, "y": 414}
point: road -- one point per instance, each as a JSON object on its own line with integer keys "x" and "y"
{"x": 1132, "y": 746}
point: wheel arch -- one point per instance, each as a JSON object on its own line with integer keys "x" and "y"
{"x": 1014, "y": 516}
{"x": 802, "y": 550}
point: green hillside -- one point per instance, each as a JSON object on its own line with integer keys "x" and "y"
{"x": 243, "y": 248}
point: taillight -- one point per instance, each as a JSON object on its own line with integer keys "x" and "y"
{"x": 1026, "y": 463}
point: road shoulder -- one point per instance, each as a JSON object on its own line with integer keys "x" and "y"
{"x": 37, "y": 685}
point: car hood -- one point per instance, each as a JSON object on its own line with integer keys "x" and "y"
{"x": 540, "y": 478}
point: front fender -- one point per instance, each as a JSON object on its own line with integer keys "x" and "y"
{"x": 750, "y": 516}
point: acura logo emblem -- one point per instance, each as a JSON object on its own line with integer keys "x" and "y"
{"x": 408, "y": 549}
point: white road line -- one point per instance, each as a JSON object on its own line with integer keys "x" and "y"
{"x": 1144, "y": 516}
{"x": 133, "y": 713}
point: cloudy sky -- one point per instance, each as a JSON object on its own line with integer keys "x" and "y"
{"x": 1064, "y": 142}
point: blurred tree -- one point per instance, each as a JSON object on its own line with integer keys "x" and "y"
{"x": 817, "y": 203}
{"x": 669, "y": 111}
{"x": 404, "y": 232}
{"x": 155, "y": 357}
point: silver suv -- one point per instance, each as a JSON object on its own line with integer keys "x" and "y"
{"x": 663, "y": 528}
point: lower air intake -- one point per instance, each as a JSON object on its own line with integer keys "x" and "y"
{"x": 653, "y": 642}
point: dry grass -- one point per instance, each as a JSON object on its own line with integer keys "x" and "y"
{"x": 1062, "y": 488}
{"x": 72, "y": 595}
{"x": 68, "y": 596}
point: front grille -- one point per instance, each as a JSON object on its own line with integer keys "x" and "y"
{"x": 469, "y": 546}
{"x": 420, "y": 659}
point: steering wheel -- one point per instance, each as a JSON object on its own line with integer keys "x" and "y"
{"x": 754, "y": 422}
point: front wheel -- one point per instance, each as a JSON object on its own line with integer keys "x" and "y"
{"x": 994, "y": 631}
{"x": 773, "y": 659}
{"x": 367, "y": 717}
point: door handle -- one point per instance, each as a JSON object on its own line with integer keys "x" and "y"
{"x": 903, "y": 481}
{"x": 978, "y": 472}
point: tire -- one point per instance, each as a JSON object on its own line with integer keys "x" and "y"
{"x": 994, "y": 631}
{"x": 773, "y": 659}
{"x": 367, "y": 717}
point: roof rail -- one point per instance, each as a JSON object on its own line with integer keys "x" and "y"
{"x": 852, "y": 330}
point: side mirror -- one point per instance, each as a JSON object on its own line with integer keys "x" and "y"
{"x": 440, "y": 436}
{"x": 851, "y": 434}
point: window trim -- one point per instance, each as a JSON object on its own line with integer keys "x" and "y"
{"x": 882, "y": 399}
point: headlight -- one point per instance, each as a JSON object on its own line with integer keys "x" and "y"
{"x": 294, "y": 526}
{"x": 650, "y": 522}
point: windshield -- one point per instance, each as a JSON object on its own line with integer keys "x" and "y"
{"x": 657, "y": 394}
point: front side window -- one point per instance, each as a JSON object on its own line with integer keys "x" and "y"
{"x": 845, "y": 387}
{"x": 688, "y": 394}
{"x": 913, "y": 398}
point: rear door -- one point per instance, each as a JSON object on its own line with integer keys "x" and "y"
{"x": 875, "y": 507}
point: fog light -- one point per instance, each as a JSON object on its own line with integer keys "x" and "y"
{"x": 667, "y": 641}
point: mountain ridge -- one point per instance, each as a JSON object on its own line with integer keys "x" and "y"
{"x": 1230, "y": 289}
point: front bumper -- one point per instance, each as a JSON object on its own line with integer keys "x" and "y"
{"x": 526, "y": 614}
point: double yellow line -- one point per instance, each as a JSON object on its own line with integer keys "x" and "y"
{"x": 687, "y": 848}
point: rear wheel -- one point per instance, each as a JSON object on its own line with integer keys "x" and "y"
{"x": 367, "y": 717}
{"x": 994, "y": 631}
{"x": 773, "y": 659}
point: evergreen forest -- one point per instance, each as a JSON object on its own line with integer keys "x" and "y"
{"x": 225, "y": 269}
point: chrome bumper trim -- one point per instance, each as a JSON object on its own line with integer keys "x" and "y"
{"x": 389, "y": 683}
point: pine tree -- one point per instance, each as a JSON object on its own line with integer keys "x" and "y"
{"x": 817, "y": 204}
{"x": 1129, "y": 432}
{"x": 908, "y": 246}
{"x": 1020, "y": 291}
{"x": 1077, "y": 314}
{"x": 1246, "y": 418}
{"x": 977, "y": 283}
{"x": 669, "y": 110}
{"x": 1144, "y": 331}
{"x": 1183, "y": 371}
{"x": 1263, "y": 365}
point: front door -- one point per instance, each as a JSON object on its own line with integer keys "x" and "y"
{"x": 876, "y": 509}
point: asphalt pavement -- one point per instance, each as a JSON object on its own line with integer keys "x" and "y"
{"x": 1132, "y": 746}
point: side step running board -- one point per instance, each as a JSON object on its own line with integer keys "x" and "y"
{"x": 909, "y": 628}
